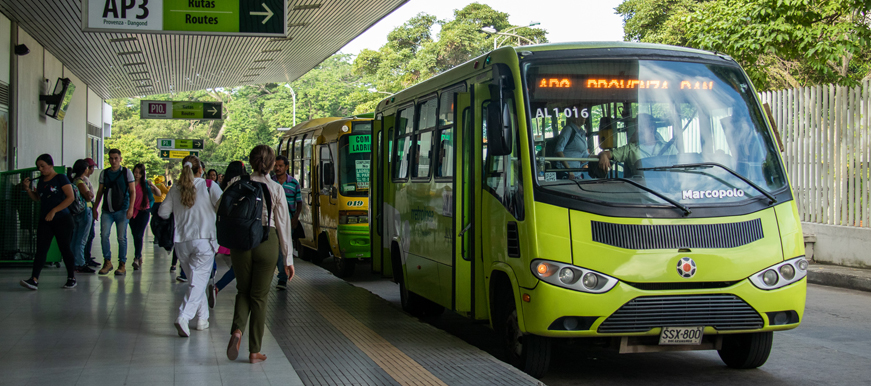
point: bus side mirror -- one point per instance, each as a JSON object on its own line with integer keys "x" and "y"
{"x": 328, "y": 175}
{"x": 499, "y": 138}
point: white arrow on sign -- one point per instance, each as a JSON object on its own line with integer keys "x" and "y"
{"x": 268, "y": 13}
{"x": 214, "y": 111}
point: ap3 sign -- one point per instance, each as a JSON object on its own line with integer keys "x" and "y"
{"x": 142, "y": 15}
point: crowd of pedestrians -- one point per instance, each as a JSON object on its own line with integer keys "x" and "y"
{"x": 183, "y": 219}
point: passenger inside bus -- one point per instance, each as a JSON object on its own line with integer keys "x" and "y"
{"x": 571, "y": 143}
{"x": 644, "y": 143}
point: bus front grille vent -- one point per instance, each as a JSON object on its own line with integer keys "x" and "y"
{"x": 682, "y": 286}
{"x": 513, "y": 240}
{"x": 723, "y": 312}
{"x": 729, "y": 235}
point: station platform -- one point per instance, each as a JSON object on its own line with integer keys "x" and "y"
{"x": 118, "y": 330}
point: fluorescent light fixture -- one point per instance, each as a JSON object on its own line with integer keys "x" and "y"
{"x": 257, "y": 68}
{"x": 306, "y": 6}
{"x": 129, "y": 53}
{"x": 140, "y": 80}
{"x": 256, "y": 61}
{"x": 277, "y": 40}
{"x": 137, "y": 73}
{"x": 134, "y": 64}
{"x": 119, "y": 40}
{"x": 250, "y": 75}
{"x": 149, "y": 86}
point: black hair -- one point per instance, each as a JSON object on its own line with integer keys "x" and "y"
{"x": 210, "y": 172}
{"x": 45, "y": 158}
{"x": 282, "y": 158}
{"x": 77, "y": 170}
{"x": 143, "y": 180}
{"x": 234, "y": 169}
{"x": 114, "y": 151}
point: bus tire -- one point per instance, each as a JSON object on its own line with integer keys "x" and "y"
{"x": 308, "y": 254}
{"x": 527, "y": 352}
{"x": 323, "y": 251}
{"x": 344, "y": 267}
{"x": 746, "y": 351}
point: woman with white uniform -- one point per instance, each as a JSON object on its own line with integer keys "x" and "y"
{"x": 192, "y": 202}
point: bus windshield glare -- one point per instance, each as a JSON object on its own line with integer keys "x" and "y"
{"x": 354, "y": 165}
{"x": 690, "y": 132}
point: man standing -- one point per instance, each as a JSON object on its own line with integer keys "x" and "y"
{"x": 294, "y": 203}
{"x": 116, "y": 185}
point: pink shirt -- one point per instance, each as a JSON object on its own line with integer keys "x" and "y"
{"x": 141, "y": 202}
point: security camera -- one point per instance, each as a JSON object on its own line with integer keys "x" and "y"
{"x": 21, "y": 49}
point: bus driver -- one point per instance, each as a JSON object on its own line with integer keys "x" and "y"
{"x": 645, "y": 143}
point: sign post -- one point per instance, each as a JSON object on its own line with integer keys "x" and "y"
{"x": 201, "y": 17}
{"x": 180, "y": 110}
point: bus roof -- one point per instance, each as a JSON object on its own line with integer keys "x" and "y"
{"x": 316, "y": 123}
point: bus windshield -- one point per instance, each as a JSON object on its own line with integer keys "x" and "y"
{"x": 690, "y": 133}
{"x": 354, "y": 165}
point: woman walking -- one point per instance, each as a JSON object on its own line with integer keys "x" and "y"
{"x": 54, "y": 193}
{"x": 84, "y": 220}
{"x": 234, "y": 169}
{"x": 254, "y": 268}
{"x": 193, "y": 205}
{"x": 145, "y": 191}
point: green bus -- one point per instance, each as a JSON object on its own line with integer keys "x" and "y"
{"x": 619, "y": 194}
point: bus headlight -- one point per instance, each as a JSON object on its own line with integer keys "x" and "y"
{"x": 572, "y": 277}
{"x": 781, "y": 274}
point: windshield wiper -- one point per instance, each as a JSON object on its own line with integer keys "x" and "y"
{"x": 676, "y": 204}
{"x": 771, "y": 199}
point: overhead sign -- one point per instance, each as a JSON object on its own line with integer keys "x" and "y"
{"x": 176, "y": 154}
{"x": 180, "y": 110}
{"x": 172, "y": 144}
{"x": 198, "y": 17}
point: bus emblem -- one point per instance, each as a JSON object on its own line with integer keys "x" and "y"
{"x": 686, "y": 267}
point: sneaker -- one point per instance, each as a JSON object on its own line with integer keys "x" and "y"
{"x": 122, "y": 270}
{"x": 181, "y": 279}
{"x": 202, "y": 324}
{"x": 282, "y": 285}
{"x": 71, "y": 283}
{"x": 211, "y": 293}
{"x": 136, "y": 264}
{"x": 29, "y": 284}
{"x": 181, "y": 324}
{"x": 84, "y": 269}
{"x": 172, "y": 269}
{"x": 107, "y": 266}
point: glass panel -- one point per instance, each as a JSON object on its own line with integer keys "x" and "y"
{"x": 354, "y": 166}
{"x": 297, "y": 169}
{"x": 445, "y": 156}
{"x": 647, "y": 116}
{"x": 297, "y": 147}
{"x": 362, "y": 127}
{"x": 404, "y": 123}
{"x": 423, "y": 153}
{"x": 446, "y": 108}
{"x": 400, "y": 164}
{"x": 427, "y": 115}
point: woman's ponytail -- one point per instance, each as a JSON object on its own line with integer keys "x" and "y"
{"x": 191, "y": 167}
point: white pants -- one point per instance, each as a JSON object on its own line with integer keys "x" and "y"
{"x": 196, "y": 258}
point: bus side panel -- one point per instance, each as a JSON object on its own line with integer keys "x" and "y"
{"x": 375, "y": 215}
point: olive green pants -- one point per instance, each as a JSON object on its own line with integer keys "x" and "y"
{"x": 254, "y": 272}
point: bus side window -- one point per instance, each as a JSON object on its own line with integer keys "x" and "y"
{"x": 445, "y": 155}
{"x": 404, "y": 132}
{"x": 307, "y": 160}
{"x": 503, "y": 173}
{"x": 426, "y": 123}
{"x": 297, "y": 160}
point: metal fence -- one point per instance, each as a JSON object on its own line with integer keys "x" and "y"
{"x": 825, "y": 132}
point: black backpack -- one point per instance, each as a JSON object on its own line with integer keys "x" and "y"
{"x": 115, "y": 191}
{"x": 240, "y": 222}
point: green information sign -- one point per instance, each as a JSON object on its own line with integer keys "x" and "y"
{"x": 215, "y": 17}
{"x": 359, "y": 143}
{"x": 180, "y": 110}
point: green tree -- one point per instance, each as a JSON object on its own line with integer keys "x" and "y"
{"x": 657, "y": 21}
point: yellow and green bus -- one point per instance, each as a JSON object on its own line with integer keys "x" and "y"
{"x": 492, "y": 198}
{"x": 330, "y": 159}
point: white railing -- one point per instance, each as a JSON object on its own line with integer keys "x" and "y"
{"x": 826, "y": 132}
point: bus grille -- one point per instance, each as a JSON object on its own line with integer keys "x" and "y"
{"x": 723, "y": 312}
{"x": 729, "y": 235}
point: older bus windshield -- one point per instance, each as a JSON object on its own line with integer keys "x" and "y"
{"x": 652, "y": 122}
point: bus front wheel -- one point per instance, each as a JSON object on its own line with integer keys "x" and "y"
{"x": 529, "y": 353}
{"x": 746, "y": 351}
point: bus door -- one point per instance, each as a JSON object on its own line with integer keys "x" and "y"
{"x": 328, "y": 200}
{"x": 463, "y": 203}
{"x": 303, "y": 174}
{"x": 375, "y": 195}
{"x": 501, "y": 195}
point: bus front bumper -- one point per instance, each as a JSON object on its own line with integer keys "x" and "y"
{"x": 549, "y": 306}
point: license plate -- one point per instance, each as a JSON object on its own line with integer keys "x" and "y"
{"x": 681, "y": 335}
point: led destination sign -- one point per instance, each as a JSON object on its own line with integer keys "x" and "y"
{"x": 616, "y": 83}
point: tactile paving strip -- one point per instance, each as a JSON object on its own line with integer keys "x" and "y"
{"x": 334, "y": 333}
